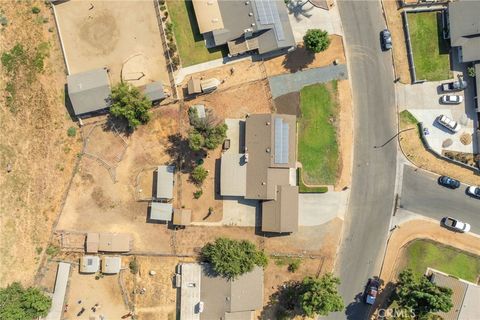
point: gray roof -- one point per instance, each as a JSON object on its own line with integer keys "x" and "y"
{"x": 161, "y": 211}
{"x": 89, "y": 91}
{"x": 232, "y": 299}
{"x": 268, "y": 20}
{"x": 477, "y": 84}
{"x": 165, "y": 182}
{"x": 470, "y": 309}
{"x": 154, "y": 91}
{"x": 465, "y": 28}
{"x": 233, "y": 174}
{"x": 190, "y": 290}
{"x": 89, "y": 264}
{"x": 281, "y": 215}
{"x": 58, "y": 298}
{"x": 111, "y": 265}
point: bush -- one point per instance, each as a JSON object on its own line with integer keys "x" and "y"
{"x": 198, "y": 175}
{"x": 175, "y": 61}
{"x": 172, "y": 48}
{"x": 215, "y": 136}
{"x": 133, "y": 265}
{"x": 197, "y": 194}
{"x": 316, "y": 40}
{"x": 129, "y": 104}
{"x": 35, "y": 10}
{"x": 71, "y": 132}
{"x": 232, "y": 258}
{"x": 471, "y": 72}
{"x": 195, "y": 141}
{"x": 163, "y": 8}
{"x": 294, "y": 265}
{"x": 52, "y": 250}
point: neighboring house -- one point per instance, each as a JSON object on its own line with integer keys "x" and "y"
{"x": 89, "y": 264}
{"x": 58, "y": 298}
{"x": 465, "y": 297}
{"x": 111, "y": 265}
{"x": 204, "y": 296}
{"x": 89, "y": 92}
{"x": 259, "y": 26}
{"x": 160, "y": 211}
{"x": 154, "y": 92}
{"x": 265, "y": 169}
{"x": 164, "y": 188}
{"x": 108, "y": 242}
{"x": 465, "y": 29}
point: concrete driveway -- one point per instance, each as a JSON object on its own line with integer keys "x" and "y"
{"x": 303, "y": 16}
{"x": 319, "y": 208}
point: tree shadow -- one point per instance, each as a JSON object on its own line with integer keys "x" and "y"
{"x": 299, "y": 10}
{"x": 182, "y": 156}
{"x": 298, "y": 59}
{"x": 284, "y": 302}
{"x": 117, "y": 124}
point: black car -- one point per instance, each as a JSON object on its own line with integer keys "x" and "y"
{"x": 371, "y": 291}
{"x": 449, "y": 182}
{"x": 386, "y": 38}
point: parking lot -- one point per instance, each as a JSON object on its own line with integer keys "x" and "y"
{"x": 121, "y": 35}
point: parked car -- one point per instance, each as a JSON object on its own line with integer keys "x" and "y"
{"x": 449, "y": 182}
{"x": 386, "y": 37}
{"x": 448, "y": 123}
{"x": 371, "y": 291}
{"x": 455, "y": 225}
{"x": 451, "y": 99}
{"x": 454, "y": 85}
{"x": 474, "y": 191}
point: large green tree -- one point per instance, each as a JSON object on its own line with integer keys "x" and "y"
{"x": 205, "y": 133}
{"x": 232, "y": 258}
{"x": 419, "y": 294}
{"x": 130, "y": 104}
{"x": 319, "y": 296}
{"x": 18, "y": 303}
{"x": 316, "y": 40}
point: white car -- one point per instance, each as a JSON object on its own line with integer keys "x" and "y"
{"x": 474, "y": 191}
{"x": 449, "y": 123}
{"x": 451, "y": 99}
{"x": 455, "y": 224}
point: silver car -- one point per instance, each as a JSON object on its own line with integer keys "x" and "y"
{"x": 451, "y": 99}
{"x": 449, "y": 123}
{"x": 474, "y": 191}
{"x": 455, "y": 225}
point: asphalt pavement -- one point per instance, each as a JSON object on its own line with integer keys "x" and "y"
{"x": 422, "y": 194}
{"x": 374, "y": 169}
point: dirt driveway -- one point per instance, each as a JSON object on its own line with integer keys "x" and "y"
{"x": 100, "y": 34}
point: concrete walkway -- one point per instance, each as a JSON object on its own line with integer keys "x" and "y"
{"x": 293, "y": 82}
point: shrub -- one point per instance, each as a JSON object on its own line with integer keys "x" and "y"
{"x": 215, "y": 136}
{"x": 195, "y": 141}
{"x": 133, "y": 265}
{"x": 197, "y": 194}
{"x": 198, "y": 175}
{"x": 175, "y": 61}
{"x": 163, "y": 8}
{"x": 71, "y": 132}
{"x": 52, "y": 250}
{"x": 35, "y": 10}
{"x": 294, "y": 265}
{"x": 172, "y": 47}
{"x": 316, "y": 40}
{"x": 471, "y": 72}
{"x": 232, "y": 258}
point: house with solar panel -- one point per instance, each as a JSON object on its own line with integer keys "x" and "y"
{"x": 262, "y": 166}
{"x": 248, "y": 26}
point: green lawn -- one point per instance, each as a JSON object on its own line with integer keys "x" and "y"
{"x": 191, "y": 46}
{"x": 430, "y": 50}
{"x": 422, "y": 254}
{"x": 317, "y": 140}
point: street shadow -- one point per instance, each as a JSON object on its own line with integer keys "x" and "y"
{"x": 298, "y": 59}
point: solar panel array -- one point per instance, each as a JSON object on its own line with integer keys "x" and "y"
{"x": 267, "y": 13}
{"x": 281, "y": 141}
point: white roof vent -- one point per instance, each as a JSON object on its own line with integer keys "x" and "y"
{"x": 251, "y": 14}
{"x": 247, "y": 3}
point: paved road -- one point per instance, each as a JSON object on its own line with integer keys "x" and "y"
{"x": 423, "y": 195}
{"x": 373, "y": 184}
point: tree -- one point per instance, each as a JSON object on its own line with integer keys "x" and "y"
{"x": 316, "y": 40}
{"x": 420, "y": 295}
{"x": 195, "y": 140}
{"x": 232, "y": 258}
{"x": 320, "y": 296}
{"x": 199, "y": 174}
{"x": 215, "y": 136}
{"x": 129, "y": 104}
{"x": 17, "y": 303}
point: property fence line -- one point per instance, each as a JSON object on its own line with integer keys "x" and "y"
{"x": 423, "y": 4}
{"x": 59, "y": 34}
{"x": 166, "y": 52}
{"x": 442, "y": 157}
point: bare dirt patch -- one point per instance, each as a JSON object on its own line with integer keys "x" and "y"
{"x": 345, "y": 134}
{"x": 395, "y": 25}
{"x": 301, "y": 59}
{"x": 33, "y": 143}
{"x": 100, "y": 34}
{"x": 414, "y": 150}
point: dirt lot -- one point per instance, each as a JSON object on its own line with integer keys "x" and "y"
{"x": 33, "y": 143}
{"x": 414, "y": 150}
{"x": 100, "y": 33}
{"x": 395, "y": 25}
{"x": 105, "y": 291}
{"x": 301, "y": 59}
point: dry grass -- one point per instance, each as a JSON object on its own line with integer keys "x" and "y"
{"x": 33, "y": 142}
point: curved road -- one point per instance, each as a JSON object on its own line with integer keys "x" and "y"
{"x": 374, "y": 169}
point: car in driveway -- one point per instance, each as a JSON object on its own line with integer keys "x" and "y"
{"x": 474, "y": 191}
{"x": 386, "y": 40}
{"x": 448, "y": 182}
{"x": 371, "y": 291}
{"x": 455, "y": 225}
{"x": 448, "y": 123}
{"x": 458, "y": 85}
{"x": 451, "y": 99}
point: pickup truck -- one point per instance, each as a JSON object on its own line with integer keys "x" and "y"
{"x": 454, "y": 86}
